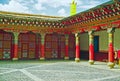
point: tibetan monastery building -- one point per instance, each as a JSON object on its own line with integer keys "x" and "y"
{"x": 93, "y": 35}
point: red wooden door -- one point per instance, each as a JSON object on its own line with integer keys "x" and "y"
{"x": 24, "y": 50}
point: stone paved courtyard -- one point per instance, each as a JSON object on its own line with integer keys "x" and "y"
{"x": 57, "y": 71}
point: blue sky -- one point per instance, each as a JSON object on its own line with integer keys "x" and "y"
{"x": 47, "y": 7}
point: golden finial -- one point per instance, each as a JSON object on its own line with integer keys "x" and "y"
{"x": 73, "y": 1}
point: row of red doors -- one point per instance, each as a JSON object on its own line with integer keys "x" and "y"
{"x": 54, "y": 47}
{"x": 29, "y": 46}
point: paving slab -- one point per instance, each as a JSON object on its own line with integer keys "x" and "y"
{"x": 57, "y": 71}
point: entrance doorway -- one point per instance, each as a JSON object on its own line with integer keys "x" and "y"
{"x": 5, "y": 45}
{"x": 24, "y": 50}
{"x": 27, "y": 46}
{"x": 54, "y": 46}
{"x": 96, "y": 44}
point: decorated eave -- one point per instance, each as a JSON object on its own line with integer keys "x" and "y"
{"x": 29, "y": 22}
{"x": 95, "y": 18}
{"x": 100, "y": 17}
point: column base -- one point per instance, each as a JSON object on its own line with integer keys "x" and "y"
{"x": 111, "y": 65}
{"x": 77, "y": 59}
{"x": 14, "y": 59}
{"x": 66, "y": 58}
{"x": 119, "y": 62}
{"x": 91, "y": 62}
{"x": 42, "y": 58}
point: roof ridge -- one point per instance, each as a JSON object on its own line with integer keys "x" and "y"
{"x": 26, "y": 14}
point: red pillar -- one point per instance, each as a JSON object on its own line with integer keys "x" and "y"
{"x": 110, "y": 53}
{"x": 42, "y": 56}
{"x": 77, "y": 58}
{"x": 66, "y": 47}
{"x": 38, "y": 46}
{"x": 110, "y": 48}
{"x": 15, "y": 53}
{"x": 91, "y": 47}
{"x": 118, "y": 56}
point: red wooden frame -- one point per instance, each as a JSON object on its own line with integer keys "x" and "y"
{"x": 71, "y": 45}
{"x": 60, "y": 41}
{"x": 28, "y": 41}
{"x": 54, "y": 39}
{"x": 4, "y": 34}
{"x": 24, "y": 49}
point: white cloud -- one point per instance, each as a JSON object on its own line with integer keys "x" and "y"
{"x": 14, "y": 6}
{"x": 58, "y": 3}
{"x": 62, "y": 12}
{"x": 87, "y": 4}
{"x": 94, "y": 2}
{"x": 48, "y": 7}
{"x": 39, "y": 7}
